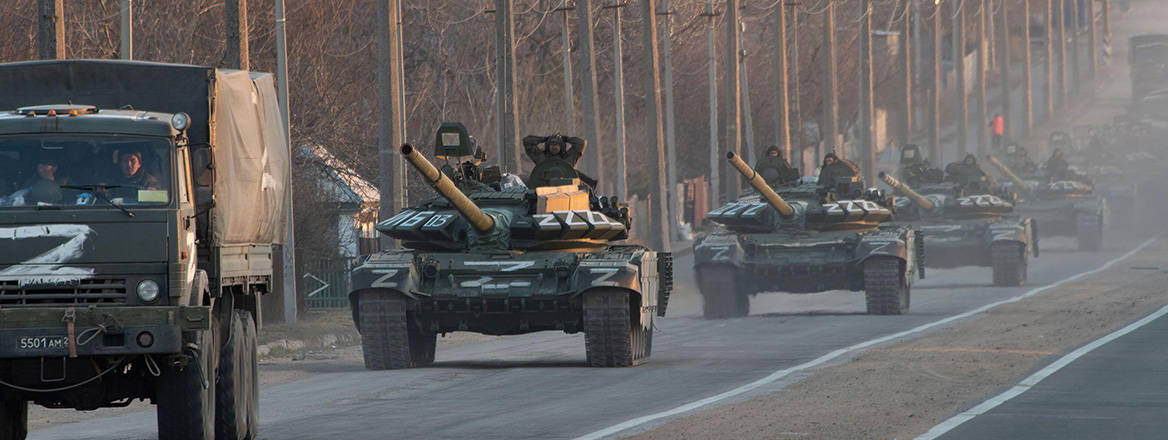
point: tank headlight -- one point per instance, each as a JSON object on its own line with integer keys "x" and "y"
{"x": 179, "y": 121}
{"x": 148, "y": 291}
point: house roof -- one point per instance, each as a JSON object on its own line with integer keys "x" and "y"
{"x": 352, "y": 188}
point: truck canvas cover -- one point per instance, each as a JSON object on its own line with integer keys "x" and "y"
{"x": 233, "y": 112}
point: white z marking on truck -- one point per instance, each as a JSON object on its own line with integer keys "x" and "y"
{"x": 48, "y": 267}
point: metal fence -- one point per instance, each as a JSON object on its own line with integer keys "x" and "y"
{"x": 327, "y": 283}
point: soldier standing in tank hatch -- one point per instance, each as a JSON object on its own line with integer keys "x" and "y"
{"x": 566, "y": 148}
{"x": 774, "y": 168}
{"x": 834, "y": 168}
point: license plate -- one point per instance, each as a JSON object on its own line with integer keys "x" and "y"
{"x": 41, "y": 343}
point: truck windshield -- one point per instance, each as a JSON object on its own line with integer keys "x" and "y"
{"x": 84, "y": 170}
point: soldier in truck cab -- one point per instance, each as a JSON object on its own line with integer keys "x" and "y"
{"x": 45, "y": 185}
{"x": 131, "y": 176}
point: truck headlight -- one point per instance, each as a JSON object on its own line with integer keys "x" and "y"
{"x": 148, "y": 291}
{"x": 179, "y": 121}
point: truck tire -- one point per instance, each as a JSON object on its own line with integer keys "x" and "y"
{"x": 237, "y": 388}
{"x": 390, "y": 339}
{"x": 1089, "y": 229}
{"x": 885, "y": 289}
{"x": 13, "y": 419}
{"x": 1009, "y": 264}
{"x": 185, "y": 395}
{"x": 611, "y": 338}
{"x": 721, "y": 297}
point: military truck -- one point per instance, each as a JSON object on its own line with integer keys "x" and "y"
{"x": 1062, "y": 208}
{"x": 963, "y": 229}
{"x": 495, "y": 258}
{"x": 139, "y": 207}
{"x": 804, "y": 238}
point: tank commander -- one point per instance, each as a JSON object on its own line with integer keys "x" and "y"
{"x": 1056, "y": 166}
{"x": 835, "y": 168}
{"x": 774, "y": 168}
{"x": 566, "y": 148}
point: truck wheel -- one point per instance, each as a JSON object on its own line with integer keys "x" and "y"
{"x": 611, "y": 339}
{"x": 1089, "y": 229}
{"x": 1009, "y": 264}
{"x": 389, "y": 338}
{"x": 237, "y": 388}
{"x": 721, "y": 297}
{"x": 186, "y": 395}
{"x": 885, "y": 288}
{"x": 13, "y": 419}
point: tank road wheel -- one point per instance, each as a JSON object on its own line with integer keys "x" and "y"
{"x": 13, "y": 419}
{"x": 237, "y": 387}
{"x": 1009, "y": 264}
{"x": 186, "y": 394}
{"x": 611, "y": 338}
{"x": 1089, "y": 229}
{"x": 885, "y": 288}
{"x": 390, "y": 339}
{"x": 721, "y": 297}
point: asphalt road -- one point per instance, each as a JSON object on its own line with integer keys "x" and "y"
{"x": 535, "y": 386}
{"x": 1119, "y": 390}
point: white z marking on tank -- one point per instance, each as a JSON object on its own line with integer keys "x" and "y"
{"x": 608, "y": 272}
{"x": 383, "y": 281}
{"x": 47, "y": 267}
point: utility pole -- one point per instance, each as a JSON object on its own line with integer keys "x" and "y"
{"x": 569, "y": 98}
{"x": 288, "y": 249}
{"x": 593, "y": 162}
{"x": 1027, "y": 77}
{"x": 51, "y": 30}
{"x": 656, "y": 127}
{"x": 830, "y": 94}
{"x": 127, "y": 31}
{"x": 796, "y": 108}
{"x": 1107, "y": 21}
{"x": 236, "y": 55}
{"x": 906, "y": 47}
{"x": 712, "y": 68}
{"x": 1062, "y": 37}
{"x": 670, "y": 124}
{"x": 733, "y": 95}
{"x": 1050, "y": 76}
{"x": 1076, "y": 66}
{"x": 391, "y": 120}
{"x": 983, "y": 59}
{"x": 747, "y": 113}
{"x": 507, "y": 136}
{"x": 1093, "y": 38}
{"x": 866, "y": 99}
{"x": 622, "y": 185}
{"x": 1003, "y": 41}
{"x": 782, "y": 100}
{"x": 959, "y": 61}
{"x": 935, "y": 88}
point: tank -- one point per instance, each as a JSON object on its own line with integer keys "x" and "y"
{"x": 1063, "y": 208}
{"x": 967, "y": 229}
{"x": 805, "y": 238}
{"x": 505, "y": 260}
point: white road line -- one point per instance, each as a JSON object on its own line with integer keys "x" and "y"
{"x": 1035, "y": 378}
{"x": 780, "y": 374}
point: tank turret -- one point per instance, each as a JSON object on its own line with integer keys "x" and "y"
{"x": 760, "y": 185}
{"x": 920, "y": 200}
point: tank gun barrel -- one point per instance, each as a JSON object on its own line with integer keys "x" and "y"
{"x": 908, "y": 192}
{"x": 442, "y": 183}
{"x": 1009, "y": 174}
{"x": 760, "y": 184}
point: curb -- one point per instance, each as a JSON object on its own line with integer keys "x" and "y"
{"x": 281, "y": 347}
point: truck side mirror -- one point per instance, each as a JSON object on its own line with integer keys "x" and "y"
{"x": 201, "y": 166}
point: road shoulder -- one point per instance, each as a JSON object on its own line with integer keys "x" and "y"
{"x": 902, "y": 390}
